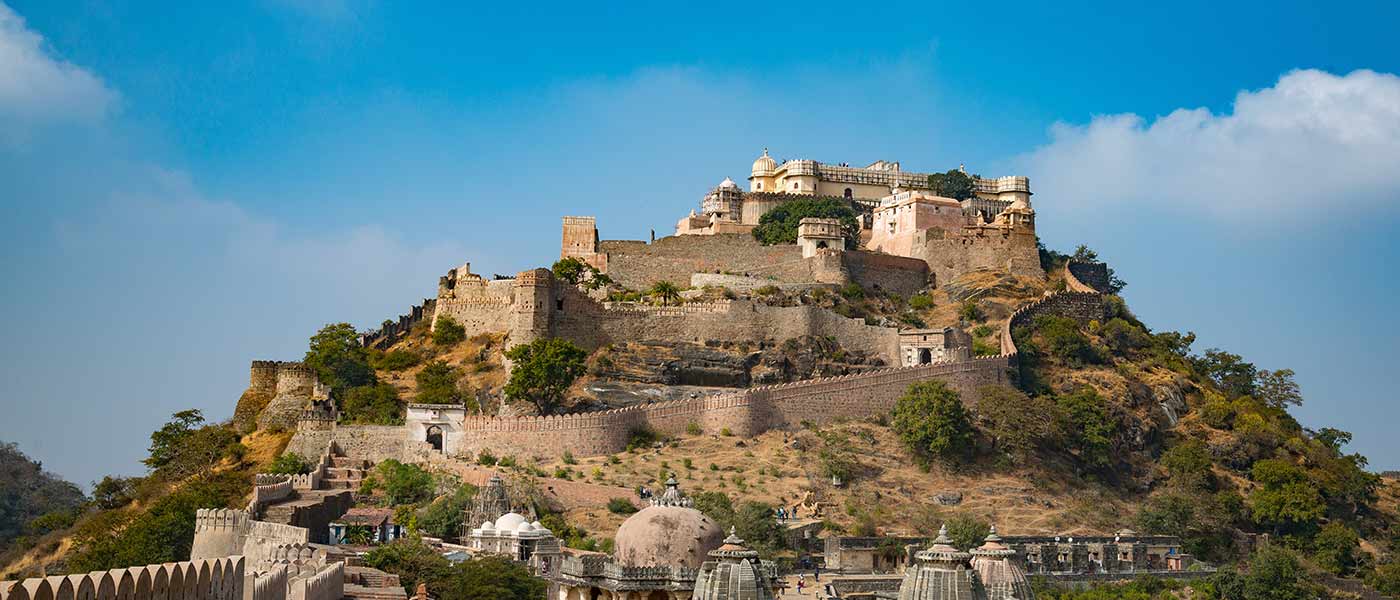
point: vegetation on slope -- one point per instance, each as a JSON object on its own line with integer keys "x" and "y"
{"x": 779, "y": 225}
{"x": 32, "y": 500}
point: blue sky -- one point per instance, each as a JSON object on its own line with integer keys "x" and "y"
{"x": 190, "y": 186}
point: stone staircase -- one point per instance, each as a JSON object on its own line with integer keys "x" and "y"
{"x": 345, "y": 473}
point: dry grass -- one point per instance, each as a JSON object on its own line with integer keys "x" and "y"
{"x": 780, "y": 467}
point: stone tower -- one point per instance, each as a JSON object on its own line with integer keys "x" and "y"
{"x": 815, "y": 234}
{"x": 533, "y": 306}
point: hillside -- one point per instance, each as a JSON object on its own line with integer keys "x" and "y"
{"x": 27, "y": 493}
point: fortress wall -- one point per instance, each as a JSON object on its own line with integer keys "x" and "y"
{"x": 1086, "y": 276}
{"x": 592, "y": 324}
{"x": 886, "y": 272}
{"x": 371, "y": 442}
{"x": 869, "y": 394}
{"x": 387, "y": 335}
{"x": 950, "y": 255}
{"x": 217, "y": 579}
{"x": 478, "y": 305}
{"x": 1080, "y": 306}
{"x": 744, "y": 413}
{"x": 222, "y": 532}
{"x": 637, "y": 265}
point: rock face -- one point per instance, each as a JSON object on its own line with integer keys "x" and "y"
{"x": 725, "y": 364}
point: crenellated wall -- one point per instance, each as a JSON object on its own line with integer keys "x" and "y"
{"x": 394, "y": 331}
{"x": 220, "y": 532}
{"x": 1087, "y": 276}
{"x": 217, "y": 579}
{"x": 744, "y": 413}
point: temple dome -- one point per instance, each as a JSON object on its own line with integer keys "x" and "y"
{"x": 764, "y": 165}
{"x": 510, "y": 521}
{"x": 940, "y": 574}
{"x": 1001, "y": 577}
{"x": 733, "y": 573}
{"x": 728, "y": 184}
{"x": 669, "y": 533}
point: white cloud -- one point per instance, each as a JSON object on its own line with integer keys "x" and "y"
{"x": 1313, "y": 143}
{"x": 36, "y": 86}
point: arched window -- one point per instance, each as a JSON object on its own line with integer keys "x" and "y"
{"x": 794, "y": 185}
{"x": 435, "y": 437}
{"x": 925, "y": 357}
{"x": 821, "y": 244}
{"x": 849, "y": 194}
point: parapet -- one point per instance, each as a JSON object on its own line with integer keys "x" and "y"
{"x": 209, "y": 579}
{"x": 534, "y": 278}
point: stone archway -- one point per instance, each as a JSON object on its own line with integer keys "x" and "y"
{"x": 435, "y": 437}
{"x": 925, "y": 356}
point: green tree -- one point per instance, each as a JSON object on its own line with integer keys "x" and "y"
{"x": 1386, "y": 578}
{"x": 543, "y": 370}
{"x": 954, "y": 184}
{"x": 1229, "y": 371}
{"x": 1087, "y": 427}
{"x": 376, "y": 404}
{"x": 489, "y": 578}
{"x": 437, "y": 384}
{"x": 1335, "y": 548}
{"x": 1285, "y": 499}
{"x": 442, "y": 518}
{"x": 1274, "y": 574}
{"x": 1276, "y": 389}
{"x": 779, "y": 225}
{"x": 1188, "y": 463}
{"x": 166, "y": 442}
{"x": 182, "y": 447}
{"x": 967, "y": 531}
{"x": 932, "y": 422}
{"x": 114, "y": 492}
{"x": 338, "y": 359}
{"x": 162, "y": 532}
{"x": 412, "y": 560}
{"x": 289, "y": 463}
{"x": 1016, "y": 423}
{"x": 402, "y": 483}
{"x": 665, "y": 291}
{"x": 448, "y": 332}
{"x": 570, "y": 270}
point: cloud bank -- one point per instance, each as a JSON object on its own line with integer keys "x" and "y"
{"x": 35, "y": 86}
{"x": 1312, "y": 144}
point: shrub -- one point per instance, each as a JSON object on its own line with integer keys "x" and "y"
{"x": 932, "y": 422}
{"x": 448, "y": 332}
{"x": 442, "y": 518}
{"x": 569, "y": 458}
{"x": 969, "y": 311}
{"x": 402, "y": 483}
{"x": 726, "y": 432}
{"x": 1064, "y": 339}
{"x": 693, "y": 428}
{"x": 289, "y": 463}
{"x": 920, "y": 302}
{"x": 437, "y": 384}
{"x": 641, "y": 437}
{"x": 983, "y": 331}
{"x": 338, "y": 359}
{"x": 485, "y": 457}
{"x": 398, "y": 359}
{"x": 621, "y": 506}
{"x": 1087, "y": 427}
{"x": 767, "y": 290}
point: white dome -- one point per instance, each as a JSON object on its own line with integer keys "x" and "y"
{"x": 524, "y": 528}
{"x": 487, "y": 525}
{"x": 765, "y": 165}
{"x": 509, "y": 521}
{"x": 537, "y": 525}
{"x": 728, "y": 183}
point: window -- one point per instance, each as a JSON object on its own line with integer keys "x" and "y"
{"x": 559, "y": 304}
{"x": 758, "y": 186}
{"x": 794, "y": 185}
{"x": 848, "y": 192}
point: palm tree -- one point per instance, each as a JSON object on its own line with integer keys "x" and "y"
{"x": 666, "y": 291}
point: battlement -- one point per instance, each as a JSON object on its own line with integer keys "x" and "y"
{"x": 534, "y": 278}
{"x": 214, "y": 579}
{"x": 215, "y": 519}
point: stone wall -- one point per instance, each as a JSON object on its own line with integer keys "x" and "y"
{"x": 744, "y": 413}
{"x": 370, "y": 442}
{"x": 394, "y": 331}
{"x": 217, "y": 579}
{"x": 1087, "y": 276}
{"x": 637, "y": 264}
{"x": 950, "y": 255}
{"x": 220, "y": 532}
{"x": 592, "y": 324}
{"x": 886, "y": 272}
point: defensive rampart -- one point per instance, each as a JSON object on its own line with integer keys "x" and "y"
{"x": 744, "y": 413}
{"x": 220, "y": 532}
{"x": 1087, "y": 276}
{"x": 393, "y": 331}
{"x": 216, "y": 579}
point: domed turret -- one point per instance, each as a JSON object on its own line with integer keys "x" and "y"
{"x": 764, "y": 165}
{"x": 1000, "y": 576}
{"x": 668, "y": 533}
{"x": 733, "y": 573}
{"x": 940, "y": 574}
{"x": 510, "y": 521}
